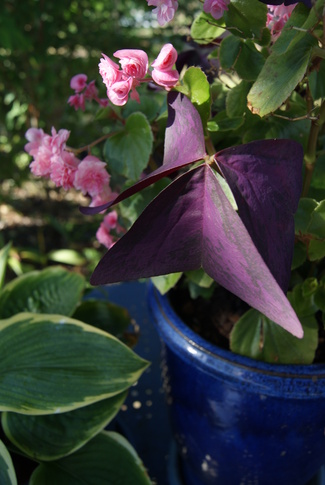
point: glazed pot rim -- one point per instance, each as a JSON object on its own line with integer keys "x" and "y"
{"x": 208, "y": 351}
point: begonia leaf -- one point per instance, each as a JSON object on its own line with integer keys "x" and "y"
{"x": 191, "y": 225}
{"x": 266, "y": 181}
{"x": 184, "y": 144}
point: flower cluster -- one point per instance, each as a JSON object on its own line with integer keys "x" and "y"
{"x": 52, "y": 159}
{"x": 123, "y": 80}
{"x": 277, "y": 17}
{"x": 165, "y": 9}
{"x": 83, "y": 92}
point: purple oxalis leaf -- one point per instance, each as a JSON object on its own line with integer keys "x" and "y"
{"x": 184, "y": 144}
{"x": 189, "y": 225}
{"x": 266, "y": 180}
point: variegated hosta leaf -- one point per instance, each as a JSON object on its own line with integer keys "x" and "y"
{"x": 52, "y": 364}
{"x": 108, "y": 459}
{"x": 53, "y": 436}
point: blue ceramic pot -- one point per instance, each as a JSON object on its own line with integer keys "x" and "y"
{"x": 238, "y": 421}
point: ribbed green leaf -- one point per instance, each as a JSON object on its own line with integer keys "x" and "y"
{"x": 56, "y": 435}
{"x": 52, "y": 290}
{"x": 108, "y": 459}
{"x": 7, "y": 472}
{"x": 4, "y": 253}
{"x": 52, "y": 364}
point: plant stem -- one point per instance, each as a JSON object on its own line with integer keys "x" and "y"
{"x": 310, "y": 155}
{"x": 76, "y": 151}
{"x": 209, "y": 146}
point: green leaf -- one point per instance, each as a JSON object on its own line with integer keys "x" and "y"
{"x": 246, "y": 18}
{"x": 303, "y": 215}
{"x": 236, "y": 101}
{"x": 317, "y": 223}
{"x": 279, "y": 77}
{"x": 4, "y": 253}
{"x": 67, "y": 256}
{"x": 53, "y": 436}
{"x": 200, "y": 278}
{"x": 259, "y": 338}
{"x": 7, "y": 471}
{"x": 205, "y": 28}
{"x": 107, "y": 316}
{"x": 164, "y": 283}
{"x": 317, "y": 82}
{"x": 108, "y": 459}
{"x": 302, "y": 297}
{"x": 221, "y": 122}
{"x": 52, "y": 290}
{"x": 316, "y": 250}
{"x": 249, "y": 62}
{"x": 52, "y": 364}
{"x": 229, "y": 51}
{"x": 290, "y": 33}
{"x": 127, "y": 153}
{"x": 150, "y": 106}
{"x": 299, "y": 255}
{"x": 196, "y": 87}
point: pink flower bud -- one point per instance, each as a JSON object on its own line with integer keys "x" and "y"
{"x": 134, "y": 62}
{"x": 166, "y": 79}
{"x": 216, "y": 7}
{"x": 78, "y": 82}
{"x": 109, "y": 71}
{"x": 166, "y": 58}
{"x": 119, "y": 92}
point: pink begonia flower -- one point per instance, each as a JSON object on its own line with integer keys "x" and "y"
{"x": 58, "y": 141}
{"x": 134, "y": 62}
{"x": 110, "y": 71}
{"x": 104, "y": 237}
{"x": 166, "y": 79}
{"x": 277, "y": 17}
{"x": 41, "y": 165}
{"x": 35, "y": 137}
{"x": 63, "y": 169}
{"x": 91, "y": 92}
{"x": 119, "y": 92}
{"x": 91, "y": 176}
{"x": 77, "y": 101}
{"x": 165, "y": 10}
{"x": 166, "y": 58}
{"x": 216, "y": 7}
{"x": 78, "y": 82}
{"x": 106, "y": 195}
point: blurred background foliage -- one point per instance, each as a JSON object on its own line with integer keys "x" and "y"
{"x": 42, "y": 45}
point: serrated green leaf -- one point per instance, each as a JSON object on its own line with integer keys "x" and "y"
{"x": 52, "y": 290}
{"x": 280, "y": 75}
{"x": 257, "y": 337}
{"x": 7, "y": 471}
{"x": 316, "y": 250}
{"x": 299, "y": 255}
{"x": 127, "y": 153}
{"x": 302, "y": 301}
{"x": 196, "y": 87}
{"x": 221, "y": 122}
{"x": 53, "y": 364}
{"x": 205, "y": 28}
{"x": 246, "y": 18}
{"x": 229, "y": 51}
{"x": 53, "y": 436}
{"x": 108, "y": 459}
{"x": 303, "y": 215}
{"x": 4, "y": 254}
{"x": 236, "y": 101}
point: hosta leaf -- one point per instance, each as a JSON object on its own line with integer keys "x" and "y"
{"x": 4, "y": 253}
{"x": 7, "y": 471}
{"x": 184, "y": 144}
{"x": 265, "y": 178}
{"x": 189, "y": 225}
{"x": 257, "y": 337}
{"x": 53, "y": 436}
{"x": 52, "y": 364}
{"x": 52, "y": 290}
{"x": 128, "y": 151}
{"x": 107, "y": 459}
{"x": 105, "y": 315}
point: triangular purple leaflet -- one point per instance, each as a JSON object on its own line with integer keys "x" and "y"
{"x": 189, "y": 225}
{"x": 184, "y": 144}
{"x": 266, "y": 180}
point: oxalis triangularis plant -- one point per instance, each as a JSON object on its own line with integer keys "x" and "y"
{"x": 228, "y": 212}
